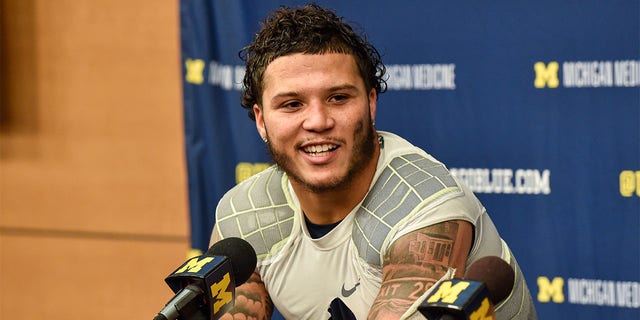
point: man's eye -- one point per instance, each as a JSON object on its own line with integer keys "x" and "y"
{"x": 339, "y": 98}
{"x": 291, "y": 104}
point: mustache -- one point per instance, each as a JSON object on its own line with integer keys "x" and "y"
{"x": 336, "y": 140}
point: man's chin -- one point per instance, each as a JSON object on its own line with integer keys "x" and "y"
{"x": 319, "y": 185}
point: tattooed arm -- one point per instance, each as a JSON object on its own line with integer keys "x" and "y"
{"x": 417, "y": 260}
{"x": 252, "y": 299}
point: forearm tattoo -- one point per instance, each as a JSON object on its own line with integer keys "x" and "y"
{"x": 252, "y": 302}
{"x": 412, "y": 264}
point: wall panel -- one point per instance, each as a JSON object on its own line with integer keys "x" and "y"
{"x": 93, "y": 209}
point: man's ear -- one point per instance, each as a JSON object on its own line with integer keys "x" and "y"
{"x": 373, "y": 103}
{"x": 257, "y": 112}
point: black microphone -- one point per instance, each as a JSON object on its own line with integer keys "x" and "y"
{"x": 205, "y": 285}
{"x": 487, "y": 282}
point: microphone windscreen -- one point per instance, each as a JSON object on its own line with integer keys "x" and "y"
{"x": 495, "y": 273}
{"x": 240, "y": 253}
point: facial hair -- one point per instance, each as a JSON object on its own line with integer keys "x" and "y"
{"x": 361, "y": 156}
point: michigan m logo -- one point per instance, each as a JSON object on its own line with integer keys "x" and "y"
{"x": 484, "y": 312}
{"x": 221, "y": 293}
{"x": 546, "y": 75}
{"x": 550, "y": 290}
{"x": 244, "y": 170}
{"x": 629, "y": 182}
{"x": 448, "y": 293}
{"x": 195, "y": 71}
{"x": 194, "y": 265}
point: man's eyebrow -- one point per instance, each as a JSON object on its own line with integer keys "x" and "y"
{"x": 293, "y": 94}
{"x": 349, "y": 87}
{"x": 283, "y": 95}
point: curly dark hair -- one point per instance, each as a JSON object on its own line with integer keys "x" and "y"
{"x": 309, "y": 29}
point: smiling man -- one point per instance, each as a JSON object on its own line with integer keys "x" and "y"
{"x": 316, "y": 117}
{"x": 350, "y": 222}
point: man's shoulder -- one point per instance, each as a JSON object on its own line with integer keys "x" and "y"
{"x": 394, "y": 146}
{"x": 257, "y": 210}
{"x": 407, "y": 183}
{"x": 262, "y": 191}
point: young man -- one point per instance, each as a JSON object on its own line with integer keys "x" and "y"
{"x": 350, "y": 222}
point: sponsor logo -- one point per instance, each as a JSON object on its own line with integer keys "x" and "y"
{"x": 546, "y": 75}
{"x": 221, "y": 293}
{"x": 483, "y": 312}
{"x": 508, "y": 181}
{"x": 630, "y": 183}
{"x": 587, "y": 74}
{"x": 448, "y": 292}
{"x": 421, "y": 77}
{"x": 226, "y": 76}
{"x": 549, "y": 290}
{"x": 622, "y": 294}
{"x": 346, "y": 293}
{"x": 401, "y": 76}
{"x": 194, "y": 265}
{"x": 195, "y": 71}
{"x": 244, "y": 170}
{"x": 460, "y": 294}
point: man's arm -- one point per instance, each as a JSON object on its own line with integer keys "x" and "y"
{"x": 416, "y": 261}
{"x": 252, "y": 299}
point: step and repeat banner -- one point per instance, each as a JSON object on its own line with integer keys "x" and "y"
{"x": 535, "y": 105}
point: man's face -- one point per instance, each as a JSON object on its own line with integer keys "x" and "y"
{"x": 317, "y": 117}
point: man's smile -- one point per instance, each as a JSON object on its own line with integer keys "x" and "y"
{"x": 319, "y": 150}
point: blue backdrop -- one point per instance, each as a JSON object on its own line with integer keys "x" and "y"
{"x": 536, "y": 105}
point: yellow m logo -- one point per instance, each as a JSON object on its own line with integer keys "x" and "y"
{"x": 546, "y": 75}
{"x": 484, "y": 312}
{"x": 195, "y": 71}
{"x": 448, "y": 293}
{"x": 221, "y": 294}
{"x": 550, "y": 290}
{"x": 194, "y": 265}
{"x": 244, "y": 170}
{"x": 629, "y": 182}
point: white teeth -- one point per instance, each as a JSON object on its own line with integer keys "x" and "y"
{"x": 319, "y": 150}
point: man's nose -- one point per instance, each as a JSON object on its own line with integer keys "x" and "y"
{"x": 318, "y": 117}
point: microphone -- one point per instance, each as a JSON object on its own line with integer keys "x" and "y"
{"x": 486, "y": 283}
{"x": 205, "y": 285}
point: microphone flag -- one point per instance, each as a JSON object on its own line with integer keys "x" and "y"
{"x": 462, "y": 299}
{"x": 211, "y": 274}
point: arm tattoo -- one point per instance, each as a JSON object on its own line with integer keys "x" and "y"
{"x": 413, "y": 263}
{"x": 252, "y": 301}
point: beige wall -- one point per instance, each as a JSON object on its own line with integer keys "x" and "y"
{"x": 93, "y": 200}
